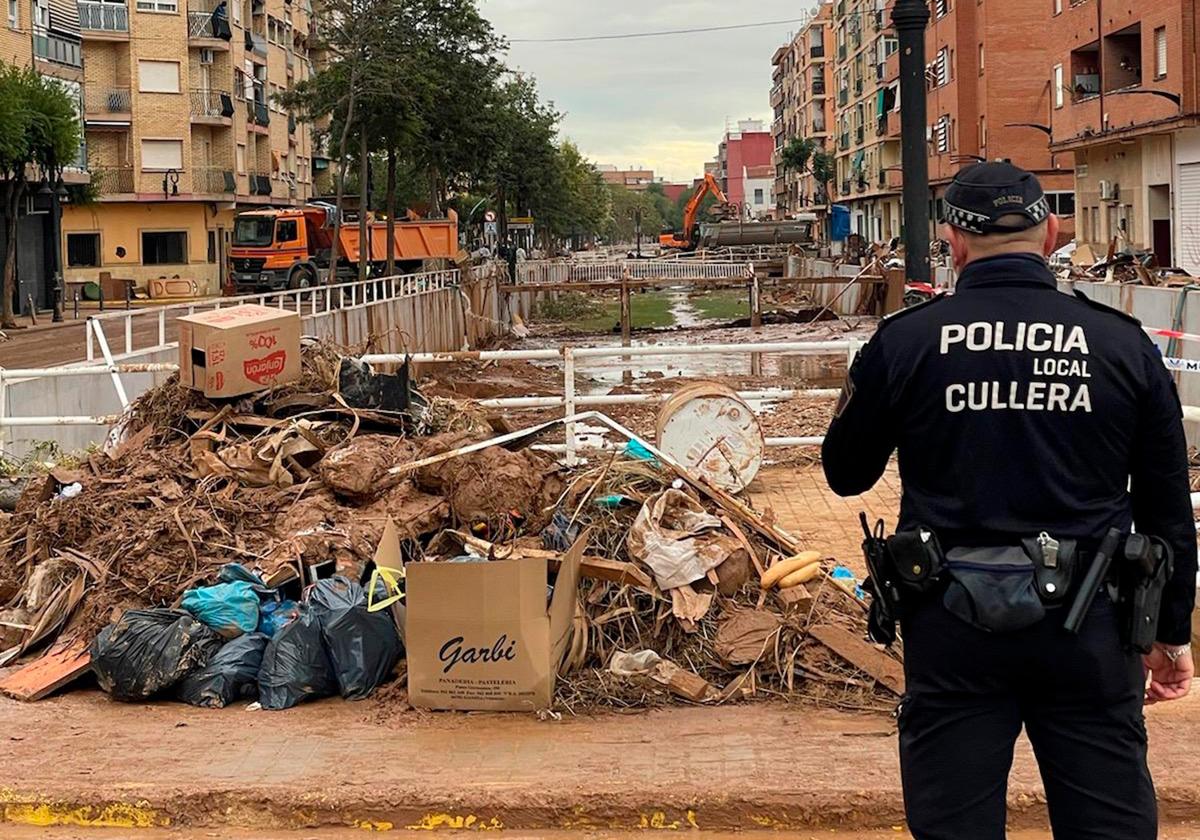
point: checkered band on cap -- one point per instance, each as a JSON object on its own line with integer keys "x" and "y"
{"x": 961, "y": 218}
{"x": 983, "y": 224}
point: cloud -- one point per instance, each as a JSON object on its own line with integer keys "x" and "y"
{"x": 662, "y": 102}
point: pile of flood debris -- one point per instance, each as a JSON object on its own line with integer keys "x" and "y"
{"x": 221, "y": 550}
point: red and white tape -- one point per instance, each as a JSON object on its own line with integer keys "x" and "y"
{"x": 1182, "y": 336}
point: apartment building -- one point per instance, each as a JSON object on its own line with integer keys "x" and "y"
{"x": 633, "y": 178}
{"x": 988, "y": 94}
{"x": 868, "y": 178}
{"x": 748, "y": 146}
{"x": 43, "y": 34}
{"x": 183, "y": 130}
{"x": 1124, "y": 102}
{"x": 804, "y": 107}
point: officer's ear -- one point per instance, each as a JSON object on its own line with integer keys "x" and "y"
{"x": 1051, "y": 243}
{"x": 958, "y": 244}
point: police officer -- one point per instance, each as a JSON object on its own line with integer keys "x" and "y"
{"x": 1020, "y": 412}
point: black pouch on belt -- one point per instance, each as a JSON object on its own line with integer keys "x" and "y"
{"x": 1053, "y": 566}
{"x": 993, "y": 588}
{"x": 917, "y": 558}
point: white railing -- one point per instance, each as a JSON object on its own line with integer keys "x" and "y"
{"x": 534, "y": 272}
{"x": 311, "y": 301}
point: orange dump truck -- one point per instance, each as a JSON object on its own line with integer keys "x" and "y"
{"x": 289, "y": 248}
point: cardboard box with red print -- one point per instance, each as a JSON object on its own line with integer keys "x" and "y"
{"x": 238, "y": 350}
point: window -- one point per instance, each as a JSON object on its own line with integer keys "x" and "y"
{"x": 41, "y": 14}
{"x": 1057, "y": 7}
{"x": 941, "y": 8}
{"x": 241, "y": 157}
{"x": 239, "y": 83}
{"x": 1160, "y": 52}
{"x": 158, "y": 76}
{"x": 1058, "y": 85}
{"x": 14, "y": 14}
{"x": 164, "y": 247}
{"x": 83, "y": 250}
{"x": 212, "y": 246}
{"x": 1061, "y": 203}
{"x": 285, "y": 231}
{"x": 941, "y": 134}
{"x": 161, "y": 155}
{"x": 981, "y": 59}
{"x": 758, "y": 196}
{"x": 167, "y": 6}
{"x": 983, "y": 134}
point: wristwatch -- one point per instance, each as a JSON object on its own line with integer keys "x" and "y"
{"x": 1173, "y": 652}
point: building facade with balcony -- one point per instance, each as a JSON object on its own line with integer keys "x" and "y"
{"x": 44, "y": 35}
{"x": 803, "y": 75}
{"x": 867, "y": 144}
{"x": 989, "y": 94}
{"x": 184, "y": 130}
{"x": 1123, "y": 101}
{"x": 749, "y": 145}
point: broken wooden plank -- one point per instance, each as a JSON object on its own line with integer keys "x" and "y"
{"x": 599, "y": 568}
{"x": 48, "y": 674}
{"x": 864, "y": 656}
{"x": 685, "y": 683}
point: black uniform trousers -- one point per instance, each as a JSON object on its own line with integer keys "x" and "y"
{"x": 1079, "y": 698}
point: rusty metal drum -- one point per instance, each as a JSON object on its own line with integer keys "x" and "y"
{"x": 709, "y": 429}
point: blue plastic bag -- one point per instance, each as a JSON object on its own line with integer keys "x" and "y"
{"x": 274, "y": 615}
{"x": 229, "y": 608}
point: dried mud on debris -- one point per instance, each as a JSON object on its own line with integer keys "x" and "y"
{"x": 298, "y": 482}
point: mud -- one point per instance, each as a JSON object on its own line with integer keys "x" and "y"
{"x": 333, "y": 765}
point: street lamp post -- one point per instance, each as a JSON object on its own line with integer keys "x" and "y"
{"x": 56, "y": 196}
{"x": 910, "y": 18}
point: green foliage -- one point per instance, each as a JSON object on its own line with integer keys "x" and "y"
{"x": 824, "y": 166}
{"x": 620, "y": 226}
{"x": 797, "y": 153}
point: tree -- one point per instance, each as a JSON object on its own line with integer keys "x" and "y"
{"x": 625, "y": 203}
{"x": 39, "y": 129}
{"x": 797, "y": 153}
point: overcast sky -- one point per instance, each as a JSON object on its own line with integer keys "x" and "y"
{"x": 662, "y": 102}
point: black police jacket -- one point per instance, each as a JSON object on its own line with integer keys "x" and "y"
{"x": 1015, "y": 409}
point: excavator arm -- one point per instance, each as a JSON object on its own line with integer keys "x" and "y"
{"x": 686, "y": 238}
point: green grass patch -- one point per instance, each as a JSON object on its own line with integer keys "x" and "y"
{"x": 649, "y": 311}
{"x": 568, "y": 307}
{"x": 722, "y": 304}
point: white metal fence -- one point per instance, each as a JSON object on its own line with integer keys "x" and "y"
{"x": 534, "y": 272}
{"x": 134, "y": 324}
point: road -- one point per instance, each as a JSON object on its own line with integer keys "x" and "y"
{"x": 376, "y": 764}
{"x": 47, "y": 345}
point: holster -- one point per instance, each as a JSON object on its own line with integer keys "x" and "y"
{"x": 1148, "y": 565}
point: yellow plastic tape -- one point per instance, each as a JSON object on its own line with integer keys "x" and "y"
{"x": 392, "y": 579}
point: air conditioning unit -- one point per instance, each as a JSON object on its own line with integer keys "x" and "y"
{"x": 1109, "y": 191}
{"x": 206, "y": 55}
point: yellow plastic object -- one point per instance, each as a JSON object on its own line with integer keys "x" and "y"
{"x": 392, "y": 578}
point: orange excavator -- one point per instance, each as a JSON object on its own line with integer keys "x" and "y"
{"x": 691, "y": 226}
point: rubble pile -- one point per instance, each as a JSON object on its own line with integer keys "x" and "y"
{"x": 279, "y": 504}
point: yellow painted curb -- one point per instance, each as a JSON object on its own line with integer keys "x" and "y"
{"x": 26, "y": 809}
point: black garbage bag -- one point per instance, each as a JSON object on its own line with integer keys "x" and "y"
{"x": 148, "y": 651}
{"x": 295, "y": 666}
{"x": 230, "y": 675}
{"x": 363, "y": 646}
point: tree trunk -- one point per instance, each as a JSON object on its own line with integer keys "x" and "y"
{"x": 391, "y": 210}
{"x": 364, "y": 232}
{"x": 12, "y": 198}
{"x": 341, "y": 181}
{"x": 435, "y": 193}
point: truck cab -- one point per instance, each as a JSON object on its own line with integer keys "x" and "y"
{"x": 274, "y": 250}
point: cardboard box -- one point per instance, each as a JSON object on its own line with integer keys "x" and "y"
{"x": 239, "y": 350}
{"x": 479, "y": 636}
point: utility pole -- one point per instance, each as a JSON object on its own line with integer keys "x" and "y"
{"x": 637, "y": 227}
{"x": 910, "y": 18}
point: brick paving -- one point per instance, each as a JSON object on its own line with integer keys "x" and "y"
{"x": 804, "y": 505}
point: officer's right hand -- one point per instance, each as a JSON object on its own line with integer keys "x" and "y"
{"x": 1168, "y": 680}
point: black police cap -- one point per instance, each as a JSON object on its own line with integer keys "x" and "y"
{"x": 982, "y": 194}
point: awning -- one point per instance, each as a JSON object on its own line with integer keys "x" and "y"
{"x": 64, "y": 17}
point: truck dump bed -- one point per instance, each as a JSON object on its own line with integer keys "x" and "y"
{"x": 422, "y": 240}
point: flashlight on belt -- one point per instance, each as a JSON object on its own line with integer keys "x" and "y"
{"x": 1092, "y": 580}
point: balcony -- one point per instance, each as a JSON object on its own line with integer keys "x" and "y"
{"x": 776, "y": 96}
{"x": 112, "y": 180}
{"x": 211, "y": 180}
{"x": 861, "y": 182}
{"x": 860, "y": 135}
{"x": 291, "y": 125}
{"x": 257, "y": 45}
{"x": 893, "y": 124}
{"x": 858, "y": 86}
{"x": 212, "y": 107}
{"x": 818, "y": 86}
{"x": 891, "y": 180}
{"x": 207, "y": 29}
{"x": 816, "y": 51}
{"x": 843, "y": 96}
{"x": 103, "y": 21}
{"x": 258, "y": 116}
{"x": 57, "y": 49}
{"x": 260, "y": 183}
{"x": 842, "y": 52}
{"x": 844, "y": 188}
{"x": 844, "y": 141}
{"x": 891, "y": 67}
{"x": 107, "y": 105}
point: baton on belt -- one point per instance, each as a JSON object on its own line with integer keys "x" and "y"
{"x": 1096, "y": 574}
